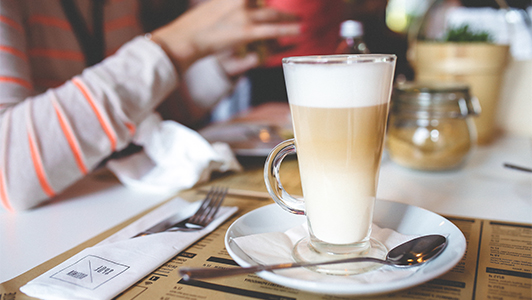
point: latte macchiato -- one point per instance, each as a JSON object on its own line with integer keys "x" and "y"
{"x": 339, "y": 114}
{"x": 339, "y": 106}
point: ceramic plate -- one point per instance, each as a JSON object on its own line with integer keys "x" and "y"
{"x": 405, "y": 219}
{"x": 245, "y": 139}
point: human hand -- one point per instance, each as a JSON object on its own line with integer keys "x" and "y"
{"x": 235, "y": 65}
{"x": 218, "y": 25}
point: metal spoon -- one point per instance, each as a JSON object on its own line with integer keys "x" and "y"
{"x": 413, "y": 252}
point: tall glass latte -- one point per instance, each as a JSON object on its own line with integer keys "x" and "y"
{"x": 339, "y": 107}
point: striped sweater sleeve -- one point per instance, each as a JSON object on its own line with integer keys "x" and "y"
{"x": 50, "y": 140}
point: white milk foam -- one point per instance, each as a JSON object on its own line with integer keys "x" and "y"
{"x": 339, "y": 85}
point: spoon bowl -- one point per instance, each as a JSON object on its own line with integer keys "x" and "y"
{"x": 413, "y": 252}
{"x": 417, "y": 251}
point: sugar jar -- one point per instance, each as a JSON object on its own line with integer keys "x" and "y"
{"x": 430, "y": 126}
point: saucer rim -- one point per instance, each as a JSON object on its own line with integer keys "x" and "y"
{"x": 386, "y": 217}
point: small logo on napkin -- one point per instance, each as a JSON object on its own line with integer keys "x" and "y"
{"x": 90, "y": 272}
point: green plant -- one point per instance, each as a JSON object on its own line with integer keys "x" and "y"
{"x": 465, "y": 34}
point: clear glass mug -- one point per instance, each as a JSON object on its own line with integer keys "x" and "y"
{"x": 339, "y": 106}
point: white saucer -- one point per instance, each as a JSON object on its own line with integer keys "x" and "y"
{"x": 400, "y": 217}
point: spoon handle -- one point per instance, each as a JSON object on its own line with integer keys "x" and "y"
{"x": 198, "y": 273}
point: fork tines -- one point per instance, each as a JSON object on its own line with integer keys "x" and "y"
{"x": 209, "y": 207}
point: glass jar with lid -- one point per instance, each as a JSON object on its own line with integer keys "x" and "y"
{"x": 430, "y": 126}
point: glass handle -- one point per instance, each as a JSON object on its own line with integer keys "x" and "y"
{"x": 476, "y": 106}
{"x": 273, "y": 180}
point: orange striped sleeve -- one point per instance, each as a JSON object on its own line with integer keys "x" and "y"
{"x": 47, "y": 82}
{"x": 3, "y": 193}
{"x": 126, "y": 21}
{"x": 4, "y": 198}
{"x": 98, "y": 111}
{"x": 36, "y": 154}
{"x": 69, "y": 135}
{"x": 131, "y": 128}
{"x": 57, "y": 54}
{"x": 12, "y": 23}
{"x": 110, "y": 52}
{"x": 16, "y": 80}
{"x": 14, "y": 51}
{"x": 39, "y": 168}
{"x": 49, "y": 21}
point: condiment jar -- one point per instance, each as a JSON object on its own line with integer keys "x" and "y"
{"x": 430, "y": 126}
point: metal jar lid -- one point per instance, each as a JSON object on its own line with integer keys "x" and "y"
{"x": 434, "y": 100}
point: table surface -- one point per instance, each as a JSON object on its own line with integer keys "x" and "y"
{"x": 482, "y": 188}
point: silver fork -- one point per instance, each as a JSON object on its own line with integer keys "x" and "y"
{"x": 201, "y": 218}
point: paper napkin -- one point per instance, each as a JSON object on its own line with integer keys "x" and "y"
{"x": 173, "y": 158}
{"x": 113, "y": 265}
{"x": 276, "y": 248}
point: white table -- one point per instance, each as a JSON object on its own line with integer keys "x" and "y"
{"x": 483, "y": 188}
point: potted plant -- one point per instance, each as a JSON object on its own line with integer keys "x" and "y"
{"x": 465, "y": 56}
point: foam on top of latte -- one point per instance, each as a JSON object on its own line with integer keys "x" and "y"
{"x": 338, "y": 85}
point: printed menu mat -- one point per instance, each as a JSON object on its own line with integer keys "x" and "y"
{"x": 497, "y": 265}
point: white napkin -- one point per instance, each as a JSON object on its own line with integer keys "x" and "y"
{"x": 276, "y": 248}
{"x": 113, "y": 265}
{"x": 174, "y": 158}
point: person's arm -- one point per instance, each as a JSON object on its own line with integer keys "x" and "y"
{"x": 49, "y": 141}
